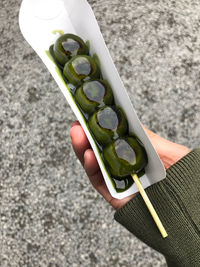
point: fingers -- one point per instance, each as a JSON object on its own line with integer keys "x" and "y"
{"x": 94, "y": 173}
{"x": 87, "y": 157}
{"x": 90, "y": 163}
{"x": 80, "y": 142}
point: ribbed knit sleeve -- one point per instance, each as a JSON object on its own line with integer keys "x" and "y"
{"x": 177, "y": 202}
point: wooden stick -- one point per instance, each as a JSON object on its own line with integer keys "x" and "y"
{"x": 150, "y": 206}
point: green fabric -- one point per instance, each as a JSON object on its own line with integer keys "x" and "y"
{"x": 177, "y": 202}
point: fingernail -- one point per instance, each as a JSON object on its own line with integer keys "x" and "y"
{"x": 75, "y": 123}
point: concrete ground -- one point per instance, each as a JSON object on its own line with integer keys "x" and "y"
{"x": 49, "y": 213}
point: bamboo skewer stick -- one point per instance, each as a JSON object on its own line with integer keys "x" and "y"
{"x": 150, "y": 206}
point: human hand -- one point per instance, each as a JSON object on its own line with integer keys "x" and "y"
{"x": 168, "y": 152}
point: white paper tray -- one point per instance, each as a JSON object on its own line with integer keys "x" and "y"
{"x": 38, "y": 19}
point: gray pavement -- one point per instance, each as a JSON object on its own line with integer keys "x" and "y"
{"x": 49, "y": 213}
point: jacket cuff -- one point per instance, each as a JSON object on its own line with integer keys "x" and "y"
{"x": 174, "y": 199}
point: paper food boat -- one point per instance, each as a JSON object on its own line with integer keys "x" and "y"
{"x": 38, "y": 19}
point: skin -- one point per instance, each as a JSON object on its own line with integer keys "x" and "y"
{"x": 168, "y": 152}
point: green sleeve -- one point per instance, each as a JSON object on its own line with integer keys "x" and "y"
{"x": 177, "y": 202}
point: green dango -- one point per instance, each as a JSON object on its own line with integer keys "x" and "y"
{"x": 68, "y": 46}
{"x": 93, "y": 95}
{"x": 107, "y": 124}
{"x": 125, "y": 156}
{"x": 80, "y": 69}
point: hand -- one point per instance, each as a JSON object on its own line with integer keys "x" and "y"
{"x": 168, "y": 152}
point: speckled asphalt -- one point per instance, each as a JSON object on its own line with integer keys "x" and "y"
{"x": 49, "y": 213}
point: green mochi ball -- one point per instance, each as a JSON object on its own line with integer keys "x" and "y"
{"x": 93, "y": 95}
{"x": 68, "y": 46}
{"x": 80, "y": 69}
{"x": 125, "y": 156}
{"x": 107, "y": 124}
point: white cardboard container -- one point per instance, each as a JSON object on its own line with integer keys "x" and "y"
{"x": 38, "y": 19}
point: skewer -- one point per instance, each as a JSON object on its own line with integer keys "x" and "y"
{"x": 150, "y": 206}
